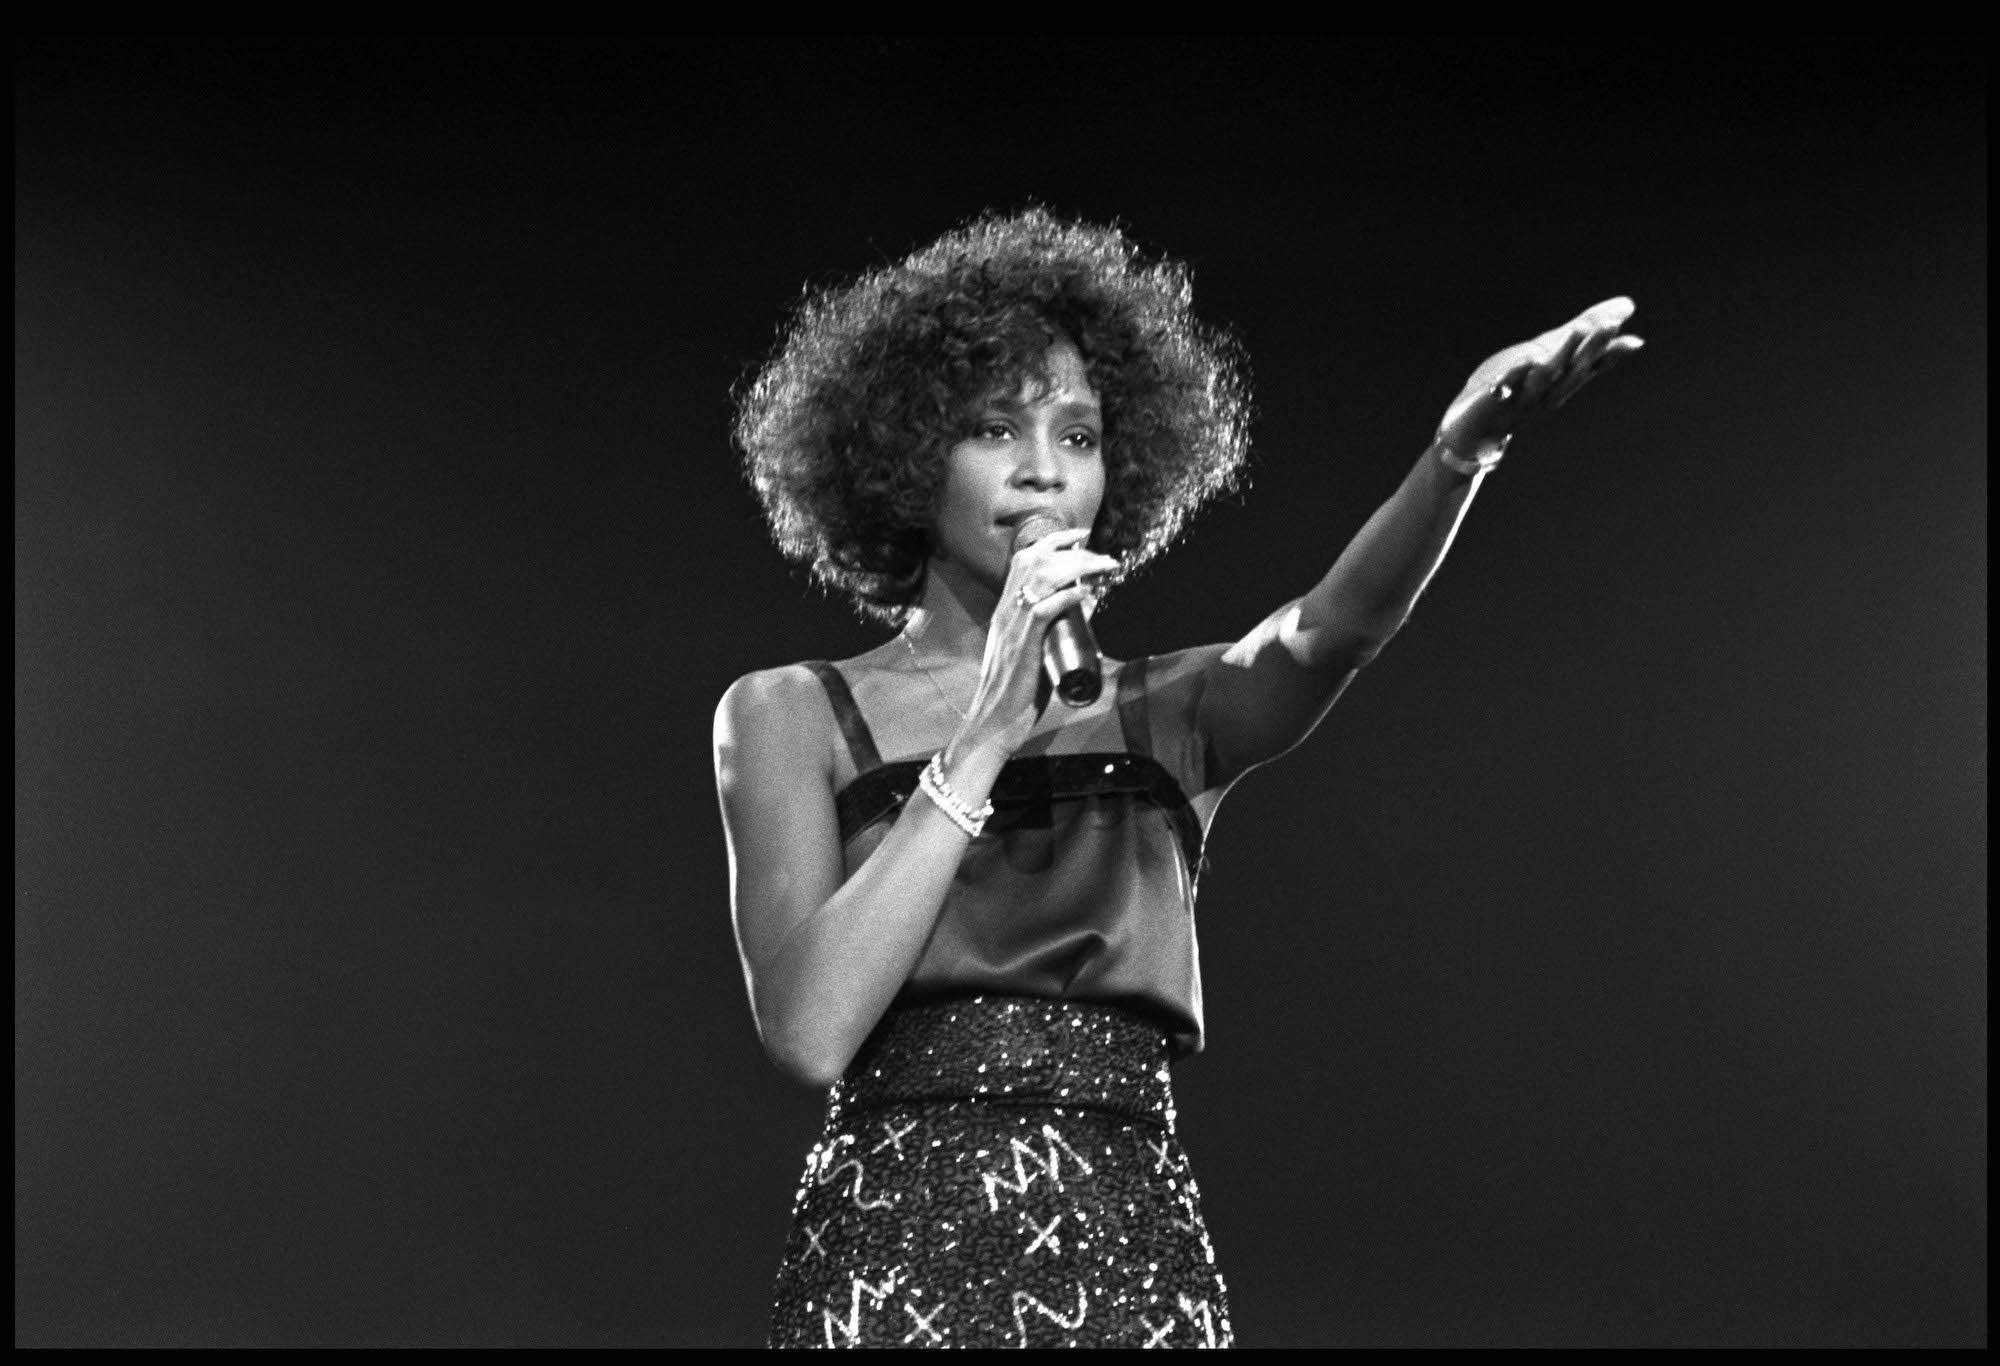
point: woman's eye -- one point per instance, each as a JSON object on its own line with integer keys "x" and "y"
{"x": 992, "y": 431}
{"x": 1083, "y": 440}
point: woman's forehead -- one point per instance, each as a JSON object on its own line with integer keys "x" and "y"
{"x": 1067, "y": 382}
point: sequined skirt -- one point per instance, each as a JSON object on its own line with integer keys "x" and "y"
{"x": 1001, "y": 1171}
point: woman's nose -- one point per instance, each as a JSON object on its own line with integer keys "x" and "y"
{"x": 1037, "y": 465}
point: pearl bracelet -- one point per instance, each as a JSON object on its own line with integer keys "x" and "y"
{"x": 939, "y": 791}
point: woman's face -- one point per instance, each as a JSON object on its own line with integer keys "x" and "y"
{"x": 1029, "y": 452}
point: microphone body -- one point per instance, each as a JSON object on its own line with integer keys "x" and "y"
{"x": 1070, "y": 655}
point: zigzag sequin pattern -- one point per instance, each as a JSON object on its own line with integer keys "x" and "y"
{"x": 998, "y": 1222}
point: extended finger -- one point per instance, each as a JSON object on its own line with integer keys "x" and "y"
{"x": 1608, "y": 352}
{"x": 1566, "y": 391}
{"x": 1583, "y": 364}
{"x": 1536, "y": 384}
{"x": 1577, "y": 376}
{"x": 1566, "y": 353}
{"x": 1612, "y": 313}
{"x": 1593, "y": 347}
{"x": 1606, "y": 357}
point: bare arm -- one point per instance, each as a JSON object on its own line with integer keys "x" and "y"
{"x": 1267, "y": 692}
{"x": 824, "y": 954}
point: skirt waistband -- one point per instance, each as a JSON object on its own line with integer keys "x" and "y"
{"x": 1012, "y": 1049}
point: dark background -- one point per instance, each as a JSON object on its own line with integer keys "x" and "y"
{"x": 1609, "y": 968}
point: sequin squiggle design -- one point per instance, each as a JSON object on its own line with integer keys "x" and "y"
{"x": 1052, "y": 1206}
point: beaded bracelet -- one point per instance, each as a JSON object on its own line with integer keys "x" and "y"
{"x": 939, "y": 791}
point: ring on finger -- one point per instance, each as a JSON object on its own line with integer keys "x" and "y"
{"x": 1022, "y": 594}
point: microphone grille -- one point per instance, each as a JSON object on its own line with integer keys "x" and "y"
{"x": 1035, "y": 526}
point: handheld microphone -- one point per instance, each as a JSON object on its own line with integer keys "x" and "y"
{"x": 1070, "y": 655}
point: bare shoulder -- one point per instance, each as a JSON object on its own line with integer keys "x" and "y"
{"x": 774, "y": 713}
{"x": 773, "y": 773}
{"x": 778, "y": 688}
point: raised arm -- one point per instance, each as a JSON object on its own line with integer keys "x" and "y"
{"x": 1266, "y": 693}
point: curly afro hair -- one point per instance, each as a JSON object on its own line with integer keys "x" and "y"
{"x": 844, "y": 432}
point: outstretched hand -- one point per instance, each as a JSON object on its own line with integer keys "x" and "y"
{"x": 1512, "y": 386}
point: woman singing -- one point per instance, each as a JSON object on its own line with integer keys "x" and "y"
{"x": 964, "y": 900}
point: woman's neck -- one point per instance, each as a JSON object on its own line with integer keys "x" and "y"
{"x": 950, "y": 621}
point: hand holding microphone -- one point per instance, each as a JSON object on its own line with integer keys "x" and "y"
{"x": 1070, "y": 656}
{"x": 1031, "y": 651}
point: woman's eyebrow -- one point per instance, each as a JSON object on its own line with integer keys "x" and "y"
{"x": 1073, "y": 405}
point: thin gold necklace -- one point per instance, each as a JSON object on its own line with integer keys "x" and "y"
{"x": 905, "y": 636}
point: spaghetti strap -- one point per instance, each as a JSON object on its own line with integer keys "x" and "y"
{"x": 860, "y": 740}
{"x": 1132, "y": 716}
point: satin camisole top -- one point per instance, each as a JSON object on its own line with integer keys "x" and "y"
{"x": 1082, "y": 886}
